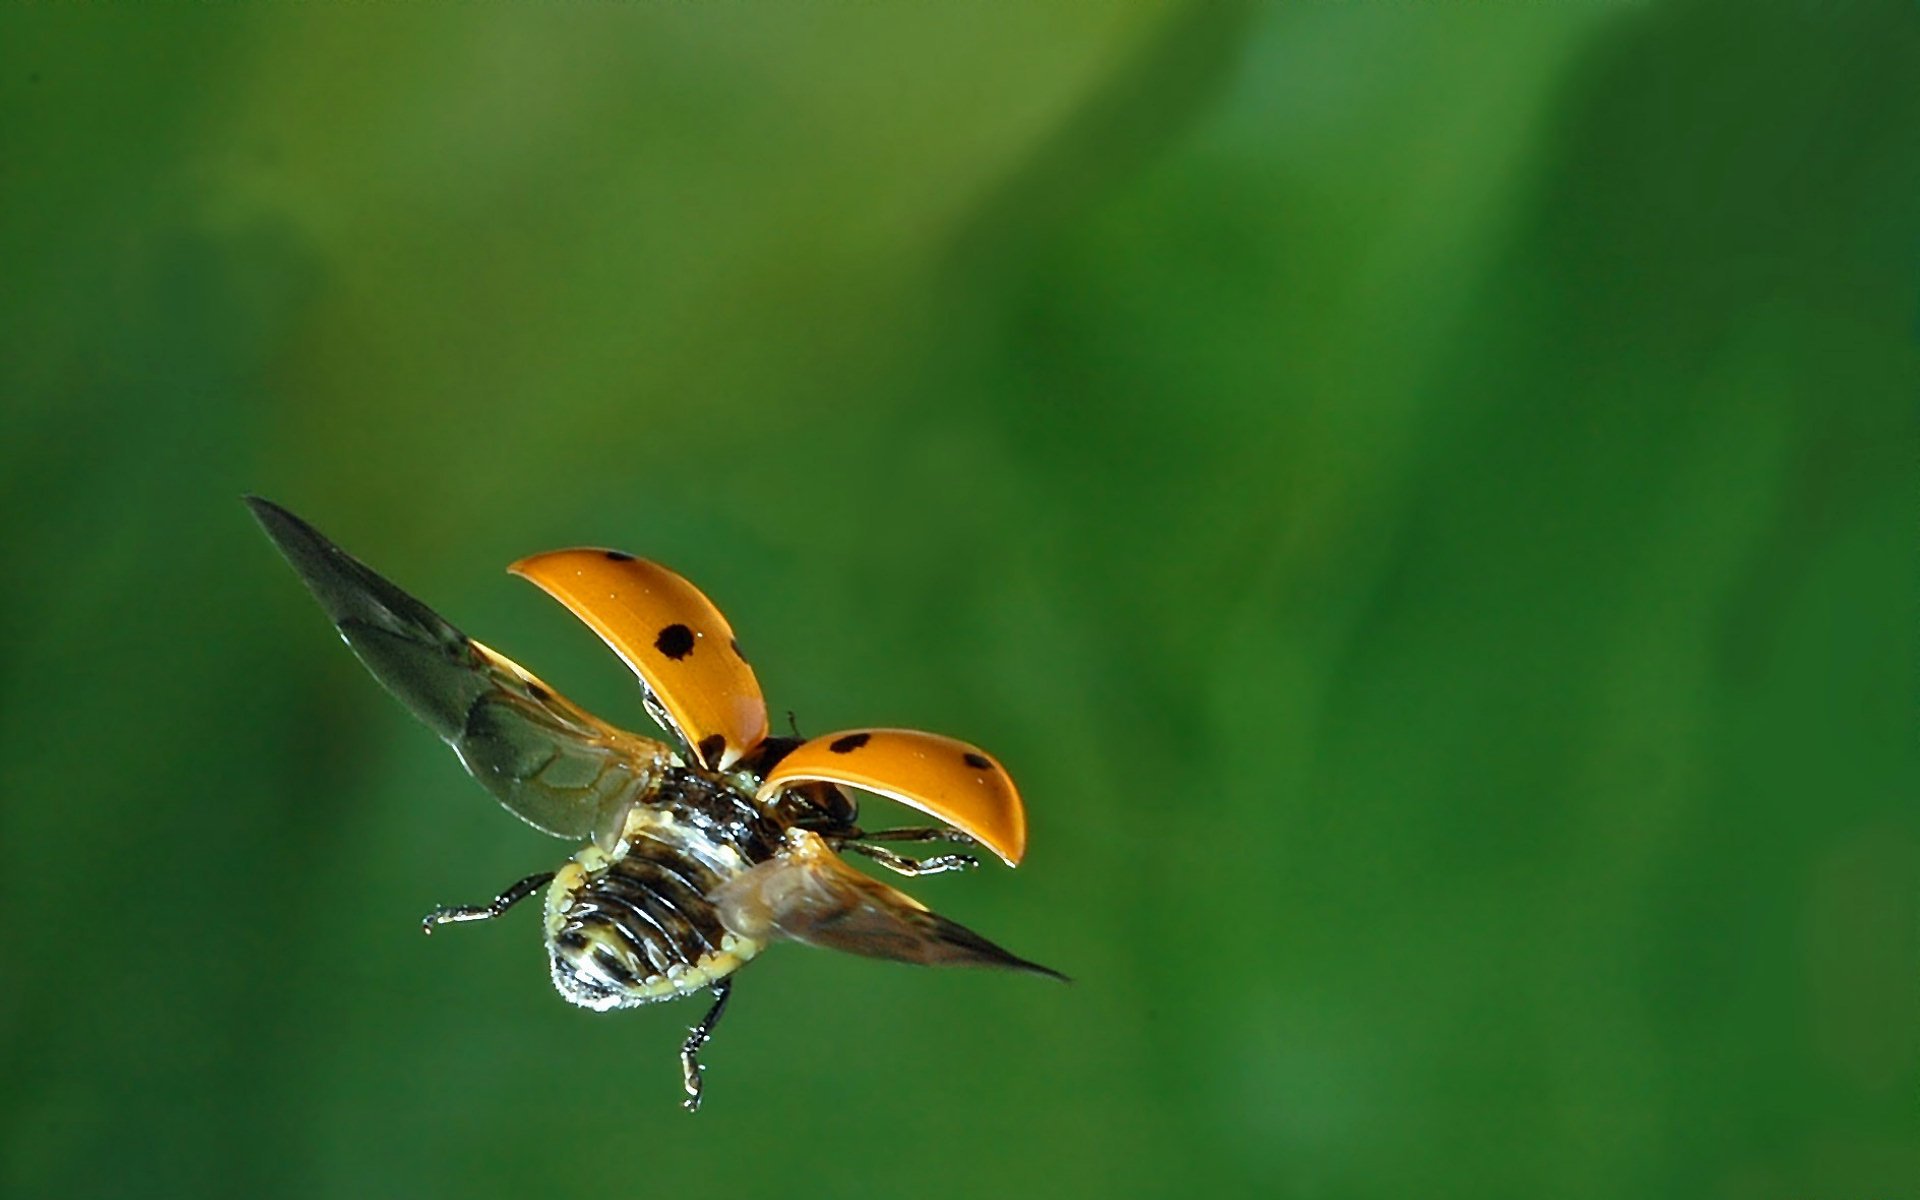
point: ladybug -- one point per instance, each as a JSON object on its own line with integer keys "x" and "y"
{"x": 694, "y": 856}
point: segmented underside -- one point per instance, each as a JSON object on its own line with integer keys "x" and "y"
{"x": 636, "y": 925}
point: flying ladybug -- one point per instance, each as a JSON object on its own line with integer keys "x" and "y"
{"x": 693, "y": 856}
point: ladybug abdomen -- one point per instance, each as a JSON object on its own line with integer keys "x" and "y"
{"x": 637, "y": 925}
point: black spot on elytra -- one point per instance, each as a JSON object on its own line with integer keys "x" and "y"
{"x": 675, "y": 641}
{"x": 735, "y": 643}
{"x": 978, "y": 762}
{"x": 849, "y": 743}
{"x": 538, "y": 692}
{"x": 619, "y": 556}
{"x": 711, "y": 747}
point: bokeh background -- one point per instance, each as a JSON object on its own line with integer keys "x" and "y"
{"x": 1422, "y": 498}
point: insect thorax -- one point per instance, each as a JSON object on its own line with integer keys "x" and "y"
{"x": 635, "y": 924}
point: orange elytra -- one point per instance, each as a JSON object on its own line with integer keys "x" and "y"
{"x": 943, "y": 777}
{"x": 671, "y": 635}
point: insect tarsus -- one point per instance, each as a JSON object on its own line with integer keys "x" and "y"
{"x": 690, "y": 1070}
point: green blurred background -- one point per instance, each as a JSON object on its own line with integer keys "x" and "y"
{"x": 1423, "y": 499}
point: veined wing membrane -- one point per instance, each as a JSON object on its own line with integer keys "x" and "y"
{"x": 807, "y": 894}
{"x": 550, "y": 762}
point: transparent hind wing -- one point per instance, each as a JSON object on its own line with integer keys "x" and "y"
{"x": 808, "y": 894}
{"x": 550, "y": 762}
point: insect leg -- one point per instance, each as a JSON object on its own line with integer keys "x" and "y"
{"x": 696, "y": 1038}
{"x": 914, "y": 866}
{"x": 919, "y": 834}
{"x": 455, "y": 913}
{"x": 658, "y": 712}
